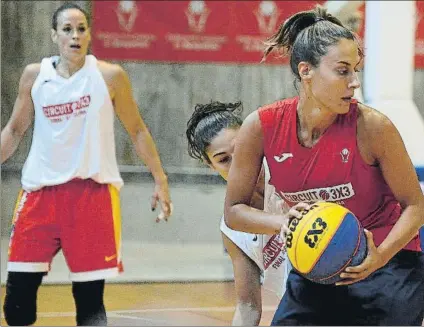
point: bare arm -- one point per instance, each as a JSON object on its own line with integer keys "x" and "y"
{"x": 389, "y": 151}
{"x": 247, "y": 285}
{"x": 242, "y": 179}
{"x": 385, "y": 146}
{"x": 128, "y": 113}
{"x": 22, "y": 114}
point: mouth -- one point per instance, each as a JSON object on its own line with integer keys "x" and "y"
{"x": 75, "y": 46}
{"x": 347, "y": 99}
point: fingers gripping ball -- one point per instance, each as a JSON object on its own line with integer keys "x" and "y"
{"x": 324, "y": 241}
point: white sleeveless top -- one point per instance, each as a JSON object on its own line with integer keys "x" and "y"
{"x": 265, "y": 250}
{"x": 73, "y": 129}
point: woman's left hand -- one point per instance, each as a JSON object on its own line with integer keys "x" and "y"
{"x": 372, "y": 262}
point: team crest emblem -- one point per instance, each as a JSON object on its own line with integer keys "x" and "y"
{"x": 345, "y": 155}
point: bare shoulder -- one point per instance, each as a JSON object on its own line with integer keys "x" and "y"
{"x": 115, "y": 77}
{"x": 252, "y": 120}
{"x": 109, "y": 70}
{"x": 374, "y": 123}
{"x": 33, "y": 69}
{"x": 376, "y": 133}
{"x": 30, "y": 74}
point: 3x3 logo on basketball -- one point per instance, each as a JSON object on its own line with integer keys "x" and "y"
{"x": 313, "y": 235}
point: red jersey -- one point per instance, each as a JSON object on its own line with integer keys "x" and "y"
{"x": 332, "y": 170}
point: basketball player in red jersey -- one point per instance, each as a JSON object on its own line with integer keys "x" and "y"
{"x": 324, "y": 145}
{"x": 71, "y": 180}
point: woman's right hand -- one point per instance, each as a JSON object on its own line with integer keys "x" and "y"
{"x": 294, "y": 212}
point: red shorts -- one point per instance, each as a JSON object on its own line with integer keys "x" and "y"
{"x": 80, "y": 217}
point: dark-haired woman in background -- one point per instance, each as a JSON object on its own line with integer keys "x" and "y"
{"x": 325, "y": 142}
{"x": 70, "y": 180}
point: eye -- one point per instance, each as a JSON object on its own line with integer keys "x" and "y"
{"x": 82, "y": 29}
{"x": 225, "y": 160}
{"x": 67, "y": 29}
{"x": 343, "y": 71}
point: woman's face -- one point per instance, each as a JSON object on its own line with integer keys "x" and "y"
{"x": 72, "y": 35}
{"x": 221, "y": 149}
{"x": 332, "y": 84}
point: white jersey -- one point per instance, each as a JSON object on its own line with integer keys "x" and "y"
{"x": 73, "y": 129}
{"x": 265, "y": 250}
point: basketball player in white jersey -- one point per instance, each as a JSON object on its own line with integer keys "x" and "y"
{"x": 211, "y": 132}
{"x": 70, "y": 180}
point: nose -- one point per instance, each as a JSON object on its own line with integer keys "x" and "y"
{"x": 75, "y": 35}
{"x": 354, "y": 82}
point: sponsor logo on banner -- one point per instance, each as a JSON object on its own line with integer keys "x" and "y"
{"x": 197, "y": 14}
{"x": 336, "y": 193}
{"x": 126, "y": 14}
{"x": 267, "y": 15}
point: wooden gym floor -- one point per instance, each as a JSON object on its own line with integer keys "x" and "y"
{"x": 150, "y": 304}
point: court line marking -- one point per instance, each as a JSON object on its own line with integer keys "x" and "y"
{"x": 117, "y": 312}
{"x": 156, "y": 321}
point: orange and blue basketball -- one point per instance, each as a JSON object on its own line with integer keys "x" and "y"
{"x": 324, "y": 241}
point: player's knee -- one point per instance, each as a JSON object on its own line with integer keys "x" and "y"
{"x": 89, "y": 304}
{"x": 20, "y": 303}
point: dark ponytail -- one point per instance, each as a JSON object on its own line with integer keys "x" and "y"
{"x": 306, "y": 36}
{"x": 206, "y": 122}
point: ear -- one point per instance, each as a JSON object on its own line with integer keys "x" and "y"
{"x": 54, "y": 35}
{"x": 305, "y": 70}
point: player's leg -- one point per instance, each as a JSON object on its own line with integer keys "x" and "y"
{"x": 88, "y": 297}
{"x": 20, "y": 303}
{"x": 33, "y": 243}
{"x": 91, "y": 244}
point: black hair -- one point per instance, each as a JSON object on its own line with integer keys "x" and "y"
{"x": 66, "y": 6}
{"x": 306, "y": 36}
{"x": 207, "y": 121}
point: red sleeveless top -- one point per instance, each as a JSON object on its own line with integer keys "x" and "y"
{"x": 332, "y": 170}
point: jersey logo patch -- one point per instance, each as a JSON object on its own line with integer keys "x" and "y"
{"x": 330, "y": 194}
{"x": 284, "y": 156}
{"x": 57, "y": 112}
{"x": 345, "y": 155}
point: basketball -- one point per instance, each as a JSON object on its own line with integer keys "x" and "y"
{"x": 324, "y": 241}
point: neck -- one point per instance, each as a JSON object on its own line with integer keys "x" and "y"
{"x": 313, "y": 119}
{"x": 67, "y": 68}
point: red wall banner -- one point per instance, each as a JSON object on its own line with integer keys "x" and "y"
{"x": 198, "y": 31}
{"x": 188, "y": 31}
{"x": 419, "y": 39}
